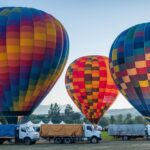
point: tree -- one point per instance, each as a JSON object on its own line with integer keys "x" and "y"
{"x": 37, "y": 118}
{"x": 75, "y": 117}
{"x": 139, "y": 120}
{"x": 2, "y": 119}
{"x": 56, "y": 119}
{"x": 85, "y": 120}
{"x": 53, "y": 110}
{"x": 120, "y": 119}
{"x": 128, "y": 119}
{"x": 112, "y": 119}
{"x": 54, "y": 113}
{"x": 104, "y": 122}
{"x": 68, "y": 110}
{"x": 70, "y": 116}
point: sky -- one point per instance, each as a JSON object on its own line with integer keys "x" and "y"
{"x": 92, "y": 26}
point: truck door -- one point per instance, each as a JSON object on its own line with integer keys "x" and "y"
{"x": 148, "y": 130}
{"x": 22, "y": 132}
{"x": 88, "y": 131}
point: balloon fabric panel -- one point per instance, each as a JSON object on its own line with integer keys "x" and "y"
{"x": 87, "y": 83}
{"x": 130, "y": 66}
{"x": 33, "y": 52}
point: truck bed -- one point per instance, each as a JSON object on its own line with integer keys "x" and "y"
{"x": 61, "y": 130}
{"x": 7, "y": 131}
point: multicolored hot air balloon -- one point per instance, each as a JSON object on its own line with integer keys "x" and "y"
{"x": 33, "y": 53}
{"x": 130, "y": 66}
{"x": 89, "y": 84}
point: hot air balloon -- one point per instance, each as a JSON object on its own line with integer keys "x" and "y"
{"x": 90, "y": 86}
{"x": 33, "y": 53}
{"x": 130, "y": 66}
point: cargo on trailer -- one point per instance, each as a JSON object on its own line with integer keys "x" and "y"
{"x": 128, "y": 131}
{"x": 70, "y": 133}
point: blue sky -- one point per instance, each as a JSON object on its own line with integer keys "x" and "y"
{"x": 92, "y": 26}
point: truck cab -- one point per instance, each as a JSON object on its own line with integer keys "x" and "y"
{"x": 147, "y": 130}
{"x": 27, "y": 134}
{"x": 92, "y": 133}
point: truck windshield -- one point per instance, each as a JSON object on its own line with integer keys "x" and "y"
{"x": 89, "y": 128}
{"x": 30, "y": 129}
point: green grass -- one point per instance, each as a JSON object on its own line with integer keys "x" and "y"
{"x": 106, "y": 137}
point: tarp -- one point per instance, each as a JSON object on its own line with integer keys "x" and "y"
{"x": 7, "y": 130}
{"x": 50, "y": 130}
{"x": 127, "y": 129}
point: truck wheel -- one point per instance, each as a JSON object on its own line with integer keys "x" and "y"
{"x": 58, "y": 140}
{"x": 94, "y": 140}
{"x": 67, "y": 140}
{"x": 27, "y": 141}
{"x": 1, "y": 141}
{"x": 11, "y": 141}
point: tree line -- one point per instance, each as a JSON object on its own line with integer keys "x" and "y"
{"x": 55, "y": 115}
{"x": 69, "y": 116}
{"x": 121, "y": 119}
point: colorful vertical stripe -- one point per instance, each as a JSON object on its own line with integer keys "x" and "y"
{"x": 33, "y": 52}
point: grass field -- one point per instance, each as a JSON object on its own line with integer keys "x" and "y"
{"x": 106, "y": 137}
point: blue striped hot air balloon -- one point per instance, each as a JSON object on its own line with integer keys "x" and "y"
{"x": 130, "y": 66}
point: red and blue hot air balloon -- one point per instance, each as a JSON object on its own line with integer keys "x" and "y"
{"x": 130, "y": 66}
{"x": 90, "y": 85}
{"x": 33, "y": 52}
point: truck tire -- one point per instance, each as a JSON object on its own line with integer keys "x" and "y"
{"x": 1, "y": 141}
{"x": 94, "y": 140}
{"x": 58, "y": 140}
{"x": 10, "y": 141}
{"x": 67, "y": 140}
{"x": 27, "y": 141}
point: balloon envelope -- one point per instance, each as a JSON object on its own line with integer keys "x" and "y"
{"x": 33, "y": 53}
{"x": 130, "y": 66}
{"x": 89, "y": 84}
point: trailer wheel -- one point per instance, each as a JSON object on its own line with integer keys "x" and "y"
{"x": 67, "y": 140}
{"x": 58, "y": 140}
{"x": 27, "y": 141}
{"x": 125, "y": 138}
{"x": 94, "y": 140}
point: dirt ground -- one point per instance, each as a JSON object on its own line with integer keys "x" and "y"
{"x": 109, "y": 145}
